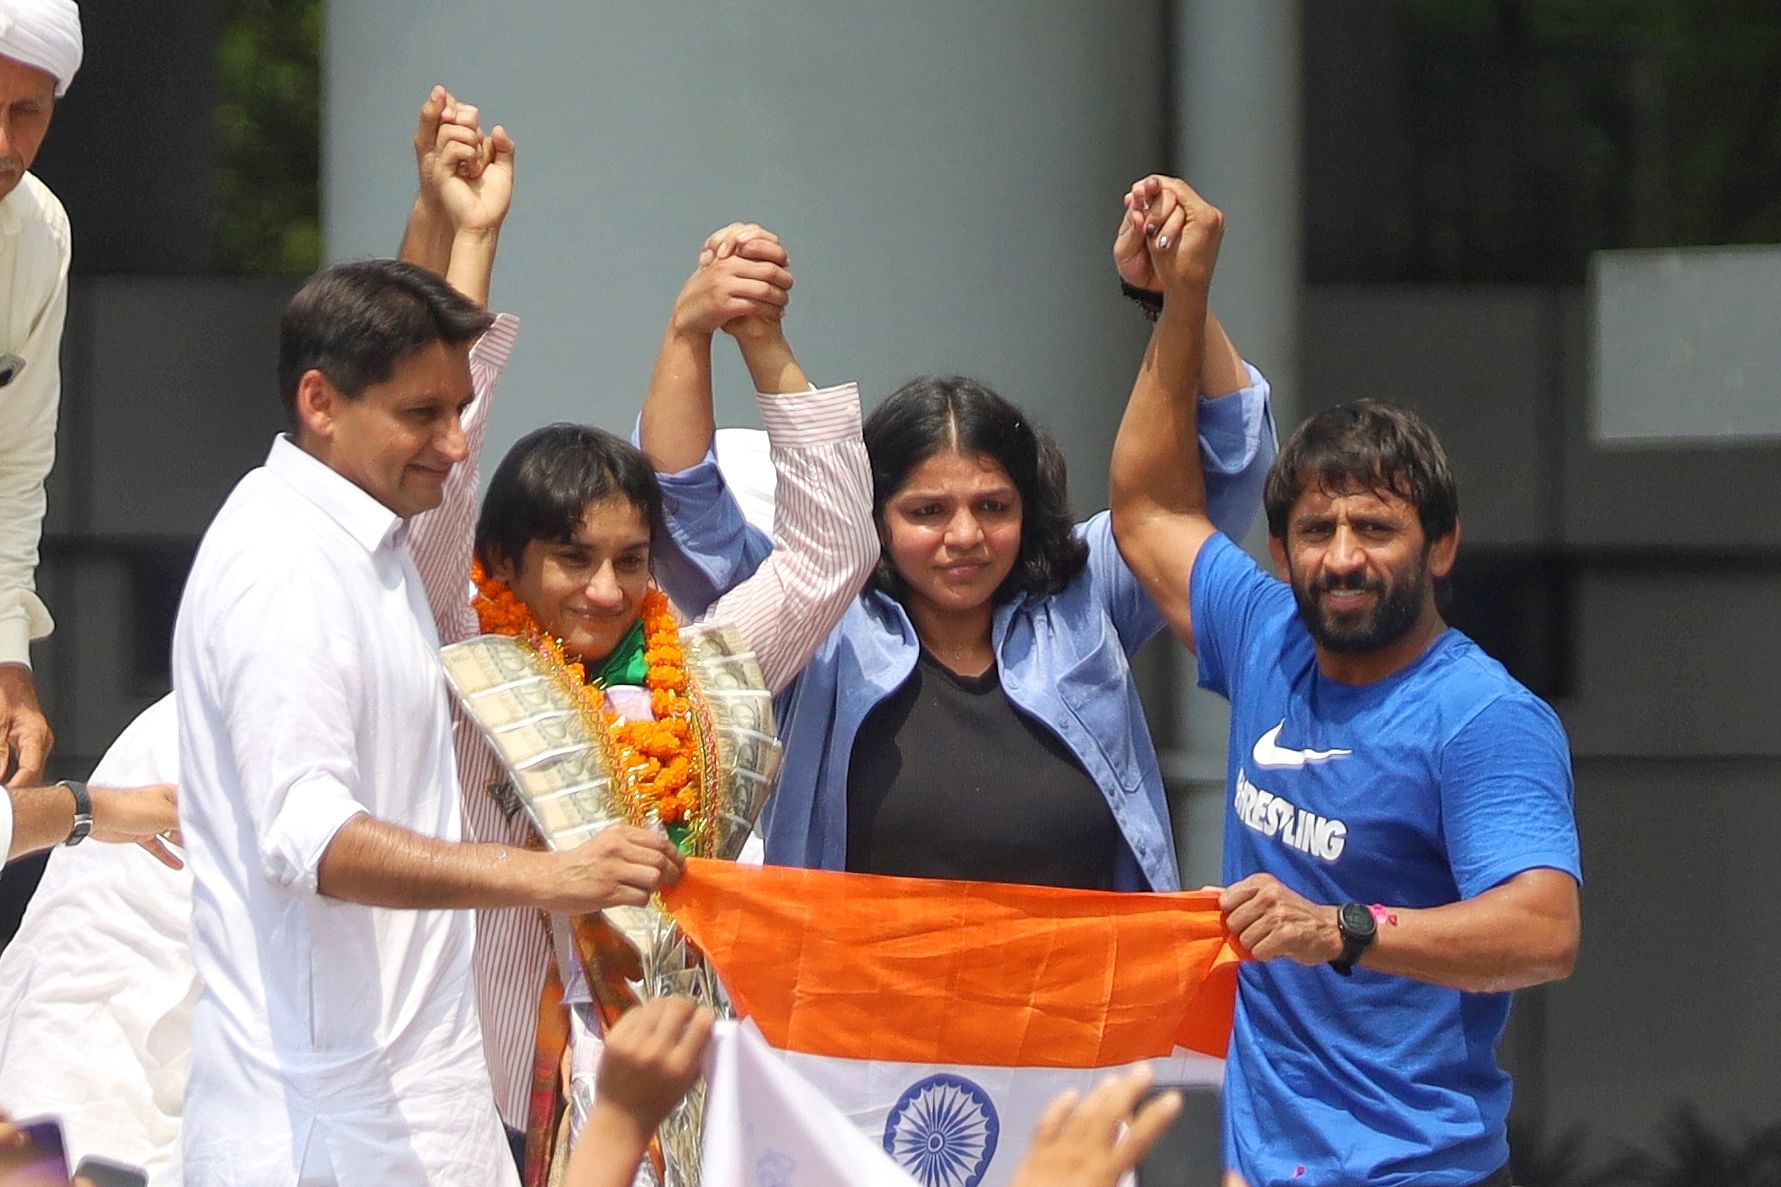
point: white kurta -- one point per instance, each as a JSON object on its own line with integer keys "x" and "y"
{"x": 333, "y": 1041}
{"x": 34, "y": 251}
{"x": 102, "y": 962}
{"x": 97, "y": 987}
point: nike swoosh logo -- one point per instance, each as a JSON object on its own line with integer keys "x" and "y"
{"x": 1274, "y": 757}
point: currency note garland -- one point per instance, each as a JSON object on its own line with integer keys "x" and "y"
{"x": 661, "y": 766}
{"x": 577, "y": 769}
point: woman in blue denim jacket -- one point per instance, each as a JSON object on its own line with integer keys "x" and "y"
{"x": 974, "y": 714}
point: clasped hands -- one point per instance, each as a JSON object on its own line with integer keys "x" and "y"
{"x": 741, "y": 286}
{"x": 466, "y": 171}
{"x": 1168, "y": 238}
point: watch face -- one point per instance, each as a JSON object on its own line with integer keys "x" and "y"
{"x": 1357, "y": 920}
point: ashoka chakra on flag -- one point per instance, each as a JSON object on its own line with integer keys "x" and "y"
{"x": 943, "y": 1131}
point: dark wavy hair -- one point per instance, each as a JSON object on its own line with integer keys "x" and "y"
{"x": 934, "y": 413}
{"x": 541, "y": 489}
{"x": 1366, "y": 445}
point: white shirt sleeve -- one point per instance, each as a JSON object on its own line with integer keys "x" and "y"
{"x": 442, "y": 540}
{"x": 824, "y": 540}
{"x": 27, "y": 451}
{"x": 5, "y": 824}
{"x": 289, "y": 678}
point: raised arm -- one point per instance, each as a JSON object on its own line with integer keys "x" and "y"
{"x": 466, "y": 187}
{"x": 426, "y": 240}
{"x": 1222, "y": 371}
{"x": 651, "y": 1060}
{"x": 467, "y": 181}
{"x": 1157, "y": 482}
{"x": 742, "y": 273}
{"x": 824, "y": 542}
{"x": 476, "y": 197}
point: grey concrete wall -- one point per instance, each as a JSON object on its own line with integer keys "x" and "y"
{"x": 1673, "y": 995}
{"x": 947, "y": 178}
{"x": 1483, "y": 364}
{"x": 168, "y": 397}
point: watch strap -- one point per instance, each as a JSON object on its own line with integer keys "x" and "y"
{"x": 1353, "y": 943}
{"x": 83, "y": 810}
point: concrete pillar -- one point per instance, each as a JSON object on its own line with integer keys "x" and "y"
{"x": 1237, "y": 118}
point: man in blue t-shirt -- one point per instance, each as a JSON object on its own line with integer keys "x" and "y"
{"x": 1400, "y": 850}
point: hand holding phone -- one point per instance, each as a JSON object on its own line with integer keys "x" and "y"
{"x": 1094, "y": 1140}
{"x": 102, "y": 1172}
{"x": 32, "y": 1154}
{"x": 1190, "y": 1150}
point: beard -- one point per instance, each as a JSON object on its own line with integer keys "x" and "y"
{"x": 1397, "y": 603}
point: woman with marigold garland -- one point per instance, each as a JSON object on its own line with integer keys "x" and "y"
{"x": 993, "y": 638}
{"x": 563, "y": 556}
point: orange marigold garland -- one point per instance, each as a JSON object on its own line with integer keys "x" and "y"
{"x": 656, "y": 763}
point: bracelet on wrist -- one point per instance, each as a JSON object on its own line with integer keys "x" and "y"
{"x": 1151, "y": 304}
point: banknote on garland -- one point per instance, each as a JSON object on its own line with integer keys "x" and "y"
{"x": 694, "y": 752}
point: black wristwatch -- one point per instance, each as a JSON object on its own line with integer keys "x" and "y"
{"x": 1358, "y": 927}
{"x": 83, "y": 810}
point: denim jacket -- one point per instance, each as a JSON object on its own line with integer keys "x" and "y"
{"x": 1062, "y": 658}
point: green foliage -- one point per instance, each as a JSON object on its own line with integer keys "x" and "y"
{"x": 268, "y": 135}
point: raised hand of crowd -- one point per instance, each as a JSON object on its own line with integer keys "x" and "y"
{"x": 651, "y": 1060}
{"x": 1093, "y": 1140}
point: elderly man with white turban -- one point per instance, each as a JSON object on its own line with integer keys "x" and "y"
{"x": 40, "y": 50}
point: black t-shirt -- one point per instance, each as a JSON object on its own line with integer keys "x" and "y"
{"x": 949, "y": 780}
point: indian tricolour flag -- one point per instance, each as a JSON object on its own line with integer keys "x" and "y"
{"x": 938, "y": 1018}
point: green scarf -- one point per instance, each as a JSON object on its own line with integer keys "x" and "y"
{"x": 626, "y": 664}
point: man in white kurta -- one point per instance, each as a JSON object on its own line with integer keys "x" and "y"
{"x": 336, "y": 1038}
{"x": 40, "y": 50}
{"x": 334, "y": 1042}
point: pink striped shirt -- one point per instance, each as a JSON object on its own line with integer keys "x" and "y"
{"x": 824, "y": 548}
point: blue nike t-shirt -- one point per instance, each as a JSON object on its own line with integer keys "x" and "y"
{"x": 1430, "y": 786}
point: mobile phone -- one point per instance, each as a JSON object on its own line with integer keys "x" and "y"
{"x": 102, "y": 1172}
{"x": 41, "y": 1160}
{"x": 1190, "y": 1153}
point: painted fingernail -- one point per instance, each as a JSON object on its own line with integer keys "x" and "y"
{"x": 1163, "y": 243}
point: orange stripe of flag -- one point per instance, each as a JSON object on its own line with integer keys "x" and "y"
{"x": 931, "y": 971}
